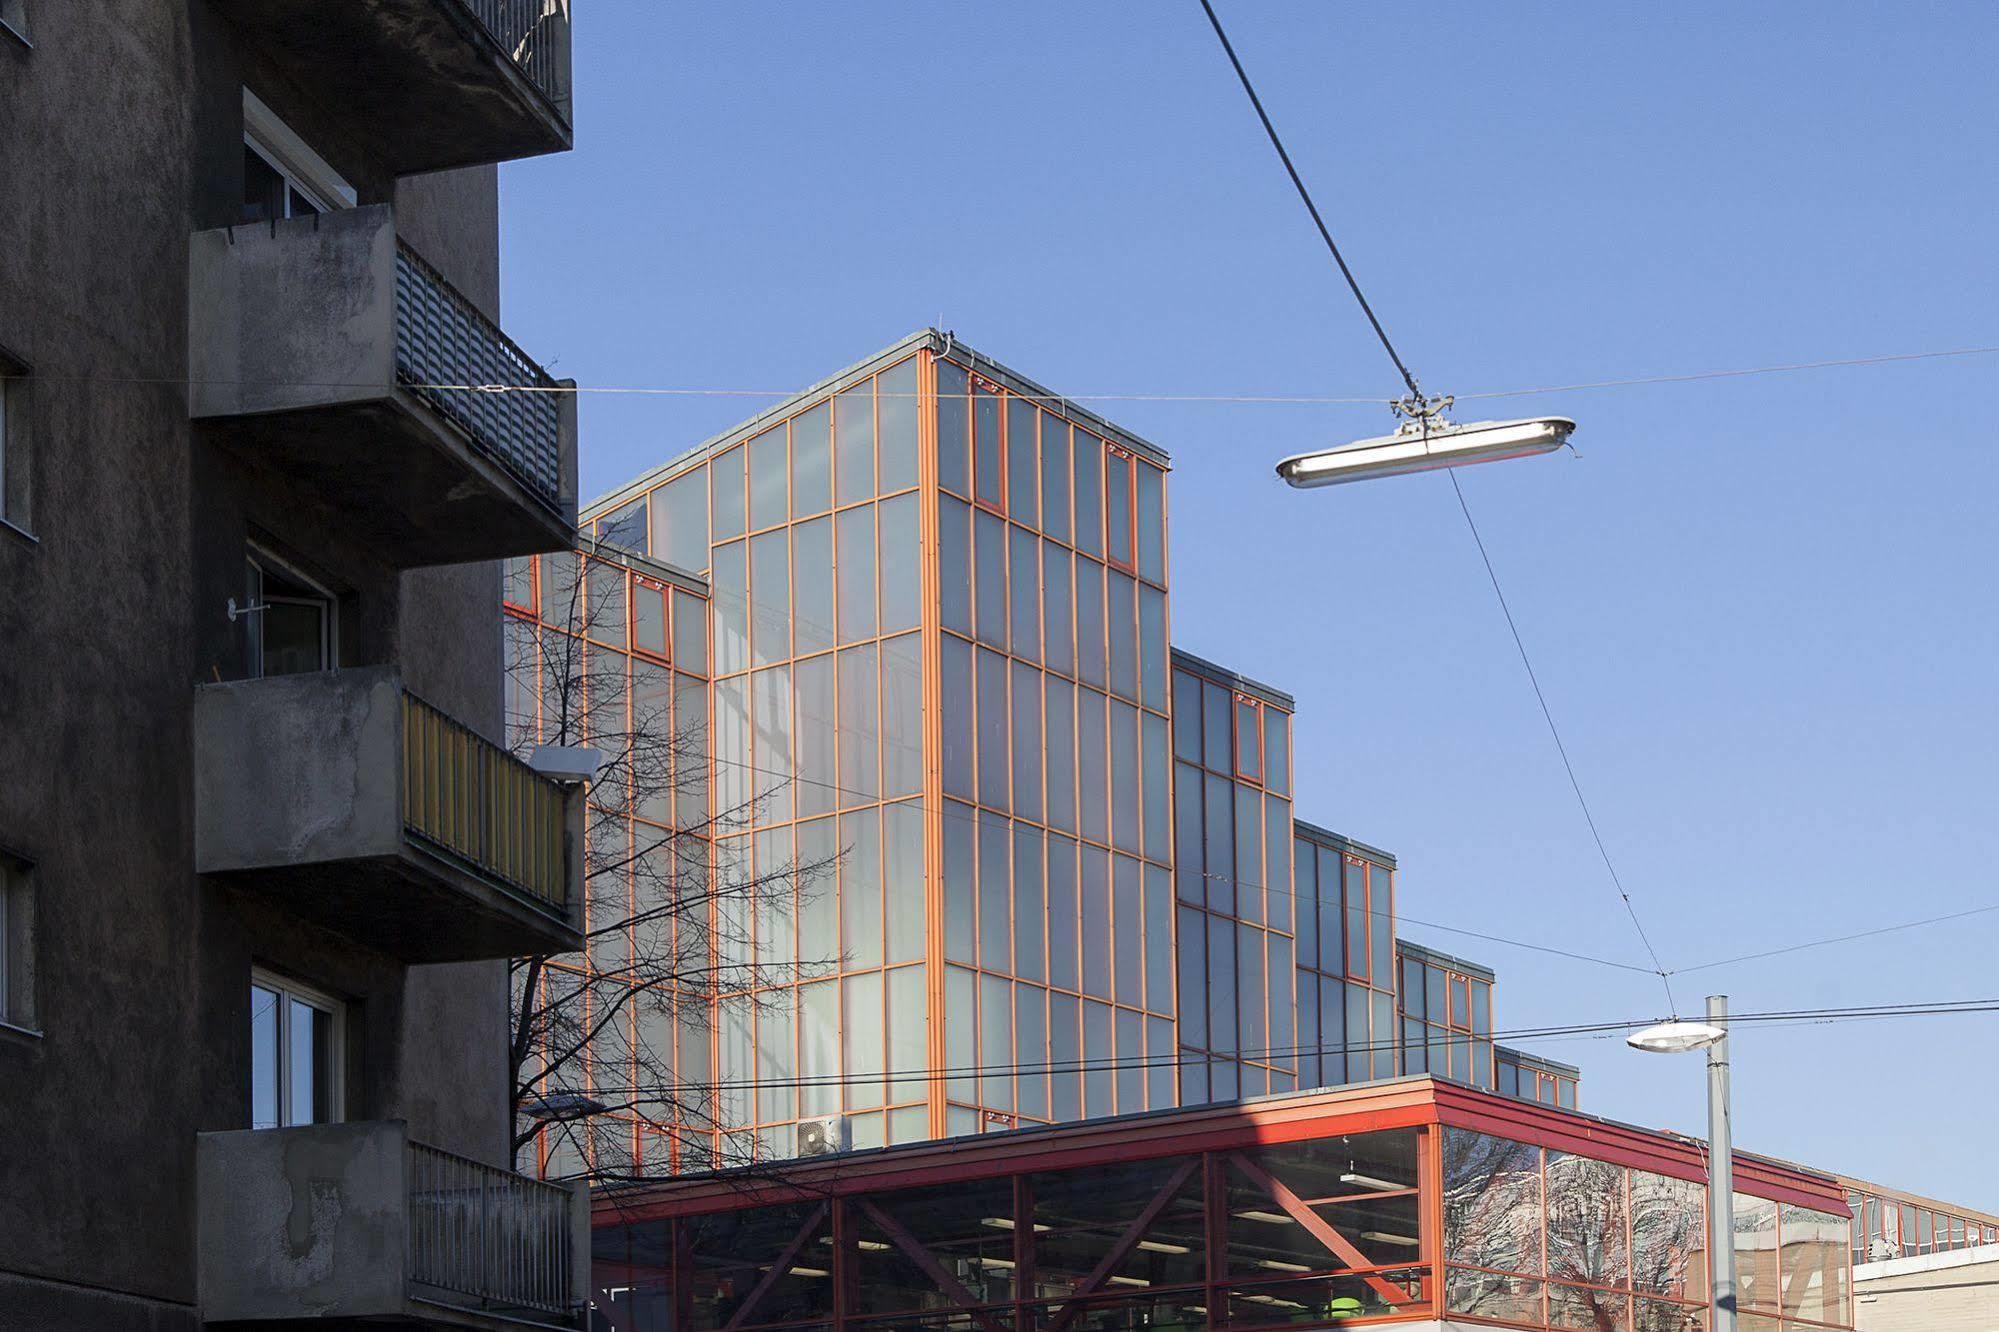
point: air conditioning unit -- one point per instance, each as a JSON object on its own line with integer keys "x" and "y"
{"x": 824, "y": 1136}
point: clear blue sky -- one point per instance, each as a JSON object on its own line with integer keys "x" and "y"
{"x": 1762, "y": 609}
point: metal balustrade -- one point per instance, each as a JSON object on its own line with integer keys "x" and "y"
{"x": 535, "y": 36}
{"x": 474, "y": 799}
{"x": 461, "y": 365}
{"x": 488, "y": 1234}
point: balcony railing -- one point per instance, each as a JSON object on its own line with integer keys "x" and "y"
{"x": 489, "y": 1235}
{"x": 452, "y": 357}
{"x": 401, "y": 1234}
{"x": 473, "y": 799}
{"x": 535, "y": 36}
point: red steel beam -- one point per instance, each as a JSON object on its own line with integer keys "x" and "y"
{"x": 1126, "y": 1242}
{"x": 777, "y": 1269}
{"x": 1315, "y": 1226}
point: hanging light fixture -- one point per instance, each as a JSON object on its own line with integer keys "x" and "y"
{"x": 1425, "y": 442}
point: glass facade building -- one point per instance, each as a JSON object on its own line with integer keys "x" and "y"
{"x": 1405, "y": 1201}
{"x": 903, "y": 642}
{"x": 1889, "y": 1224}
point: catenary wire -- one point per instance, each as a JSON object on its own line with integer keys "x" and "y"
{"x": 1604, "y": 1029}
{"x": 1419, "y": 407}
{"x": 1271, "y": 399}
{"x": 1562, "y": 749}
{"x": 1837, "y": 939}
{"x": 1304, "y": 194}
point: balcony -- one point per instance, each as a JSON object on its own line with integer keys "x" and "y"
{"x": 357, "y": 805}
{"x": 355, "y": 1222}
{"x": 334, "y": 358}
{"x": 426, "y": 84}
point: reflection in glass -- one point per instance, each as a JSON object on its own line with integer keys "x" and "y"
{"x": 265, "y": 1058}
{"x": 897, "y": 426}
{"x": 853, "y": 444}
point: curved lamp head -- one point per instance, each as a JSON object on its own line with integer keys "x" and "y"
{"x": 1676, "y": 1037}
{"x": 1409, "y": 450}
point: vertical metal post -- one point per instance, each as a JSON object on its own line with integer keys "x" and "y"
{"x": 1721, "y": 1176}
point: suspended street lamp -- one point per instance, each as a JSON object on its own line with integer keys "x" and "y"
{"x": 1681, "y": 1037}
{"x": 1425, "y": 442}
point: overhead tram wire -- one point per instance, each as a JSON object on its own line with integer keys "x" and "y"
{"x": 1240, "y": 399}
{"x": 1603, "y": 1029}
{"x": 1422, "y": 409}
{"x": 1562, "y": 749}
{"x": 1273, "y": 891}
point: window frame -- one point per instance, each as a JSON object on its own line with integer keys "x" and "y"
{"x": 288, "y": 154}
{"x": 17, "y": 942}
{"x": 977, "y": 384}
{"x": 257, "y": 558}
{"x": 14, "y": 21}
{"x": 1127, "y": 561}
{"x": 633, "y": 584}
{"x": 287, "y": 990}
{"x": 1240, "y": 701}
{"x": 532, "y": 606}
{"x": 16, "y": 446}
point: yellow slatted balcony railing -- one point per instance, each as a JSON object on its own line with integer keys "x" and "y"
{"x": 468, "y": 796}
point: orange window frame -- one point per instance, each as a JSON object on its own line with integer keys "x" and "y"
{"x": 1236, "y": 728}
{"x": 532, "y": 606}
{"x": 979, "y": 384}
{"x": 584, "y": 565}
{"x": 1126, "y": 560}
{"x": 640, "y": 581}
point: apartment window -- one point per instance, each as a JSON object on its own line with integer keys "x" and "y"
{"x": 290, "y": 618}
{"x": 14, "y": 452}
{"x": 282, "y": 175}
{"x": 296, "y": 1038}
{"x": 17, "y": 930}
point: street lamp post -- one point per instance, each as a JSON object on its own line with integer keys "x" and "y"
{"x": 1712, "y": 1036}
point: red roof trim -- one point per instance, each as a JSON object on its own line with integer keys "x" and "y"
{"x": 1370, "y": 1107}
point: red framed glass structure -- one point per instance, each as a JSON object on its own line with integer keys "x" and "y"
{"x": 1411, "y": 1200}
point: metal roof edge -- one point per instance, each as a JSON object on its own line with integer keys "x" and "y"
{"x": 832, "y": 383}
{"x": 1528, "y": 1057}
{"x": 645, "y": 564}
{"x": 1216, "y": 673}
{"x": 1915, "y": 1199}
{"x": 1339, "y": 841}
{"x": 1018, "y": 383}
{"x": 943, "y": 343}
{"x": 1425, "y": 953}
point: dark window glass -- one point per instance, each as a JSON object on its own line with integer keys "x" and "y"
{"x": 1117, "y": 507}
{"x": 989, "y": 475}
{"x": 812, "y": 461}
{"x": 853, "y": 444}
{"x": 680, "y": 521}
{"x": 953, "y": 427}
{"x": 1063, "y": 912}
{"x": 728, "y": 506}
{"x": 954, "y": 564}
{"x": 896, "y": 402}
{"x": 1022, "y": 462}
{"x": 1151, "y": 523}
{"x": 855, "y": 535}
{"x": 770, "y": 488}
{"x": 1055, "y": 476}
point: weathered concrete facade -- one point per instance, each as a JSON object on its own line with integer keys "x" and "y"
{"x": 121, "y": 139}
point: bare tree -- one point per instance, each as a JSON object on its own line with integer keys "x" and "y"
{"x": 680, "y": 926}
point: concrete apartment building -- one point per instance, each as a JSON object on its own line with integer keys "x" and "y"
{"x": 261, "y": 859}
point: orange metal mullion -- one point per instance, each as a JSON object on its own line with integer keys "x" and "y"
{"x": 931, "y": 634}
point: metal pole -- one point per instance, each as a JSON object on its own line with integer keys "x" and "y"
{"x": 1721, "y": 1176}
